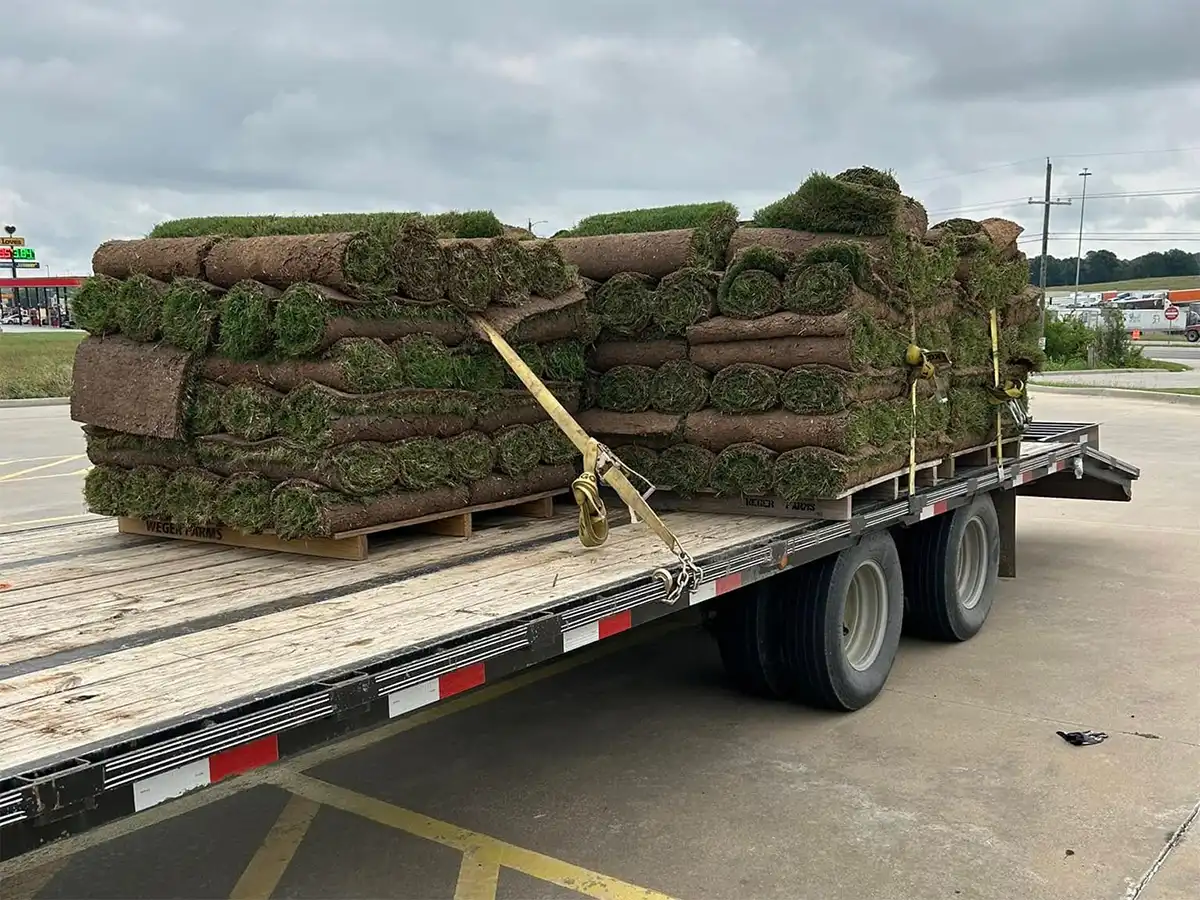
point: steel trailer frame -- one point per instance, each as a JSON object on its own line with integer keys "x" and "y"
{"x": 99, "y": 784}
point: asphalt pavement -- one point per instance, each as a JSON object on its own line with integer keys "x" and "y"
{"x": 42, "y": 463}
{"x": 634, "y": 771}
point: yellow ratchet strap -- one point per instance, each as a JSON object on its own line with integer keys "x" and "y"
{"x": 598, "y": 463}
{"x": 994, "y": 322}
{"x": 922, "y": 364}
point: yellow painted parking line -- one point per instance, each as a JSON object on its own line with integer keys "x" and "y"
{"x": 479, "y": 874}
{"x": 529, "y": 862}
{"x": 71, "y": 474}
{"x": 27, "y": 522}
{"x": 26, "y": 459}
{"x": 96, "y": 837}
{"x": 9, "y": 476}
{"x": 262, "y": 875}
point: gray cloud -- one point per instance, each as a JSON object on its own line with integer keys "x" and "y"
{"x": 134, "y": 110}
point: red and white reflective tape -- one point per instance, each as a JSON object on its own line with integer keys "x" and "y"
{"x": 1059, "y": 465}
{"x": 582, "y": 635}
{"x": 156, "y": 789}
{"x": 425, "y": 693}
{"x": 934, "y": 509}
{"x": 711, "y": 589}
{"x": 1024, "y": 477}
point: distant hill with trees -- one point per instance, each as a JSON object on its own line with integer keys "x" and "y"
{"x": 1103, "y": 266}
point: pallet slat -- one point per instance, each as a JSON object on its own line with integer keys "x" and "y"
{"x": 349, "y": 545}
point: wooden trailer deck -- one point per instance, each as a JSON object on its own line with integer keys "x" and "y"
{"x": 104, "y": 637}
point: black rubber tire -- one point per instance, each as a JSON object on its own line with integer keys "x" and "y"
{"x": 1192, "y": 336}
{"x": 814, "y": 657}
{"x": 934, "y": 608}
{"x": 747, "y": 631}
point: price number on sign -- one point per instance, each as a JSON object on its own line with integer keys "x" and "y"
{"x": 21, "y": 254}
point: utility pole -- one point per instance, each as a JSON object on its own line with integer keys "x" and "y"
{"x": 1046, "y": 204}
{"x": 1079, "y": 252}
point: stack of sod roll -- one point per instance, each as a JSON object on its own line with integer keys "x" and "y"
{"x": 311, "y": 384}
{"x": 782, "y": 370}
{"x": 275, "y": 374}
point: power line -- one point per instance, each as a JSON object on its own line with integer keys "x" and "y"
{"x": 1021, "y": 162}
{"x": 1111, "y": 195}
{"x": 1070, "y": 236}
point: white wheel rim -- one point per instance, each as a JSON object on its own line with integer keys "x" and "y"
{"x": 971, "y": 568}
{"x": 864, "y": 620}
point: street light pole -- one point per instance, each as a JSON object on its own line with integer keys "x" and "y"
{"x": 1079, "y": 252}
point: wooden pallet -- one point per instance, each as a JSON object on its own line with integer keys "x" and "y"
{"x": 891, "y": 486}
{"x": 350, "y": 545}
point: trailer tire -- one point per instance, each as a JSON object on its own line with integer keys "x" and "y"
{"x": 747, "y": 628}
{"x": 951, "y": 566}
{"x": 1193, "y": 336}
{"x": 830, "y": 662}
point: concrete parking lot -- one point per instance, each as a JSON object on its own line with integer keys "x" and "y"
{"x": 635, "y": 772}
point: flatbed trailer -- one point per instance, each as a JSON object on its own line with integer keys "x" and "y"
{"x": 133, "y": 670}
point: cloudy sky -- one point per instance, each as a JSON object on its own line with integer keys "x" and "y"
{"x": 123, "y": 113}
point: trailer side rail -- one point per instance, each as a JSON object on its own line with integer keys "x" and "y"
{"x": 71, "y": 795}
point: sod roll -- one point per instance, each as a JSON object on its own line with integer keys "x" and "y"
{"x": 140, "y": 308}
{"x": 678, "y": 387}
{"x": 638, "y": 458}
{"x": 543, "y": 319}
{"x": 302, "y": 509}
{"x": 745, "y": 388}
{"x": 313, "y": 415}
{"x": 164, "y": 259}
{"x": 470, "y": 278}
{"x": 653, "y": 254}
{"x": 628, "y": 389}
{"x": 752, "y": 286}
{"x": 130, "y": 451}
{"x": 549, "y": 272}
{"x": 872, "y": 424}
{"x": 503, "y": 488}
{"x": 610, "y": 354}
{"x": 510, "y": 269}
{"x": 356, "y": 262}
{"x": 745, "y": 469}
{"x": 247, "y": 320}
{"x": 204, "y": 402}
{"x": 845, "y": 205}
{"x": 144, "y": 493}
{"x": 310, "y": 318}
{"x": 95, "y": 305}
{"x": 721, "y": 329}
{"x": 825, "y": 390}
{"x": 250, "y": 411}
{"x": 683, "y": 468}
{"x": 816, "y": 473}
{"x": 419, "y": 262}
{"x": 624, "y": 304}
{"x": 801, "y": 243}
{"x": 472, "y": 456}
{"x": 130, "y": 387}
{"x": 462, "y": 224}
{"x": 191, "y": 309}
{"x": 191, "y": 497}
{"x": 104, "y": 490}
{"x": 244, "y": 503}
{"x": 685, "y": 297}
